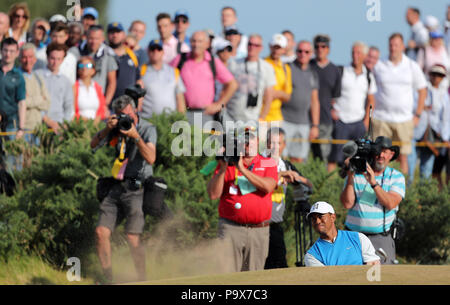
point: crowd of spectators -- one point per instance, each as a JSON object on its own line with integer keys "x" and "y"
{"x": 68, "y": 70}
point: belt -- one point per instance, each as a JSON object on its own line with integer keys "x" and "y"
{"x": 195, "y": 109}
{"x": 252, "y": 225}
{"x": 371, "y": 234}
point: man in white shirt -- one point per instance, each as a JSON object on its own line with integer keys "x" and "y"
{"x": 351, "y": 110}
{"x": 170, "y": 43}
{"x": 419, "y": 33}
{"x": 256, "y": 79}
{"x": 396, "y": 79}
{"x": 68, "y": 68}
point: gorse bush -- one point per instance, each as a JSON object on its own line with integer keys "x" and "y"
{"x": 55, "y": 209}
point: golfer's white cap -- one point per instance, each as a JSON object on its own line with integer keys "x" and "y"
{"x": 321, "y": 207}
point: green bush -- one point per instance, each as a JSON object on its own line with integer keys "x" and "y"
{"x": 54, "y": 211}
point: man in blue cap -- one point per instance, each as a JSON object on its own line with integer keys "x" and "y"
{"x": 89, "y": 18}
{"x": 181, "y": 22}
{"x": 128, "y": 73}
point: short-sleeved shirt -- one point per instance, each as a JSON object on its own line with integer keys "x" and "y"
{"x": 368, "y": 217}
{"x": 104, "y": 63}
{"x": 329, "y": 88}
{"x": 128, "y": 72}
{"x": 303, "y": 83}
{"x": 395, "y": 86}
{"x": 138, "y": 167}
{"x": 61, "y": 95}
{"x": 199, "y": 80}
{"x": 351, "y": 105}
{"x": 255, "y": 207}
{"x": 284, "y": 83}
{"x": 12, "y": 91}
{"x": 253, "y": 78}
{"x": 170, "y": 49}
{"x": 162, "y": 87}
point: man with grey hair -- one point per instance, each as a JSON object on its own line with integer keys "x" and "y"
{"x": 256, "y": 78}
{"x": 351, "y": 110}
{"x": 136, "y": 153}
{"x": 372, "y": 57}
{"x": 38, "y": 99}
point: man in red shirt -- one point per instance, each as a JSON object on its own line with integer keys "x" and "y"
{"x": 245, "y": 205}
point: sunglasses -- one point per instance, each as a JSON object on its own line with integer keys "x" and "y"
{"x": 250, "y": 44}
{"x": 303, "y": 51}
{"x": 88, "y": 66}
{"x": 130, "y": 46}
{"x": 20, "y": 16}
{"x": 321, "y": 46}
{"x": 181, "y": 20}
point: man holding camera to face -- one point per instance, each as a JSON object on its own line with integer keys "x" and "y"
{"x": 244, "y": 183}
{"x": 135, "y": 143}
{"x": 372, "y": 196}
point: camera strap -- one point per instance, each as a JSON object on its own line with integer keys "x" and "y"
{"x": 259, "y": 74}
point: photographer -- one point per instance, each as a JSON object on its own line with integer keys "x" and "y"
{"x": 373, "y": 197}
{"x": 135, "y": 141}
{"x": 245, "y": 207}
{"x": 287, "y": 173}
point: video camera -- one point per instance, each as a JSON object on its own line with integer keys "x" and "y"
{"x": 361, "y": 152}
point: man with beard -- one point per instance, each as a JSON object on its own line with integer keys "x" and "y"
{"x": 373, "y": 198}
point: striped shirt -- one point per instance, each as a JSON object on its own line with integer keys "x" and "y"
{"x": 366, "y": 216}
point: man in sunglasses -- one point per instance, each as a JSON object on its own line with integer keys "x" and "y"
{"x": 301, "y": 113}
{"x": 329, "y": 91}
{"x": 181, "y": 22}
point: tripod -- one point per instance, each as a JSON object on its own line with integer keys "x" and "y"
{"x": 302, "y": 226}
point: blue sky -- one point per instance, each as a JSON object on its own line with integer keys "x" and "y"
{"x": 345, "y": 21}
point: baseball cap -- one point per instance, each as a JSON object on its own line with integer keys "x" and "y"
{"x": 322, "y": 38}
{"x": 231, "y": 30}
{"x": 436, "y": 34}
{"x": 56, "y": 18}
{"x": 155, "y": 44}
{"x": 90, "y": 11}
{"x": 115, "y": 26}
{"x": 279, "y": 40}
{"x": 181, "y": 12}
{"x": 219, "y": 44}
{"x": 321, "y": 207}
{"x": 438, "y": 69}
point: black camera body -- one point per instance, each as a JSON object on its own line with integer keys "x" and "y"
{"x": 124, "y": 122}
{"x": 135, "y": 92}
{"x": 235, "y": 145}
{"x": 366, "y": 153}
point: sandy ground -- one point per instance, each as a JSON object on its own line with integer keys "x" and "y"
{"x": 341, "y": 275}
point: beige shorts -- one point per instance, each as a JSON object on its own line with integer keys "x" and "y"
{"x": 397, "y": 132}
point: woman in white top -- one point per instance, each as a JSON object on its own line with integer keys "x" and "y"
{"x": 89, "y": 99}
{"x": 19, "y": 16}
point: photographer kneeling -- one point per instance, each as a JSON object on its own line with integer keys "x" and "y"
{"x": 135, "y": 143}
{"x": 373, "y": 196}
{"x": 245, "y": 187}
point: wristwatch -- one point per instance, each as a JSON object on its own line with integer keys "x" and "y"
{"x": 374, "y": 185}
{"x": 137, "y": 140}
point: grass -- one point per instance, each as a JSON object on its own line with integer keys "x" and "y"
{"x": 32, "y": 270}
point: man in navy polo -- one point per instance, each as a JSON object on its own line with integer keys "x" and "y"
{"x": 128, "y": 73}
{"x": 12, "y": 88}
{"x": 336, "y": 247}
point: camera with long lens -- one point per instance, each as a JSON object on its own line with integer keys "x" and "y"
{"x": 124, "y": 122}
{"x": 366, "y": 152}
{"x": 233, "y": 145}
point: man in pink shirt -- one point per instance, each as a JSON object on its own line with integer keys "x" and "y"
{"x": 199, "y": 75}
{"x": 165, "y": 29}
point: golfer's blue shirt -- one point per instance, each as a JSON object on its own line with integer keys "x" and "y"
{"x": 345, "y": 250}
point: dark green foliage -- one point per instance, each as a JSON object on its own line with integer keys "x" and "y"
{"x": 55, "y": 210}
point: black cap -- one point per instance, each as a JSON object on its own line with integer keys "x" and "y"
{"x": 385, "y": 142}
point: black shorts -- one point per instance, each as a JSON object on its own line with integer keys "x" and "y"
{"x": 440, "y": 162}
{"x": 129, "y": 202}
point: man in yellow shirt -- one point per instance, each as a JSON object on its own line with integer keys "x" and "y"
{"x": 283, "y": 88}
